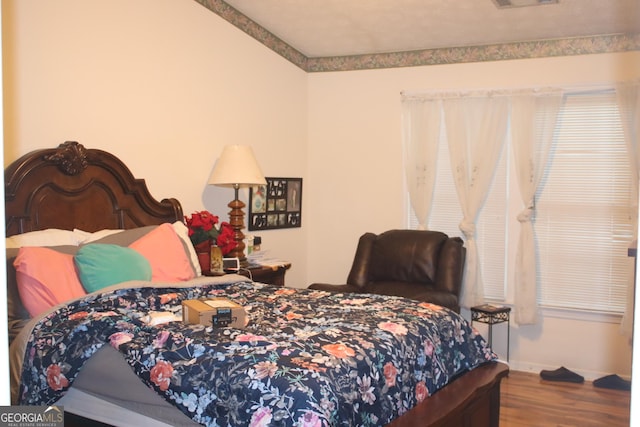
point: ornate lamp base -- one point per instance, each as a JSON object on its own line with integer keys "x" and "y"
{"x": 236, "y": 220}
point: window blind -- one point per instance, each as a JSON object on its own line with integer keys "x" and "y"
{"x": 583, "y": 217}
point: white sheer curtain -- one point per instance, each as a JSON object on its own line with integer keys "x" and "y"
{"x": 420, "y": 134}
{"x": 476, "y": 128}
{"x": 628, "y": 95}
{"x": 534, "y": 115}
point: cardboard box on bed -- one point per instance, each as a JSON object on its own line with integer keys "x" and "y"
{"x": 216, "y": 312}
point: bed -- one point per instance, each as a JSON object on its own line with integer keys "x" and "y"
{"x": 117, "y": 353}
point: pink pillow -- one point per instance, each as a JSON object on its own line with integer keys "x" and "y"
{"x": 45, "y": 278}
{"x": 165, "y": 252}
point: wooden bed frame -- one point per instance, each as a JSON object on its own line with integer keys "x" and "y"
{"x": 73, "y": 187}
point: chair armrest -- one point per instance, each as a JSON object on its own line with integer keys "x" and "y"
{"x": 451, "y": 266}
{"x": 359, "y": 274}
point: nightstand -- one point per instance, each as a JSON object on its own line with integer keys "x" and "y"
{"x": 262, "y": 273}
{"x": 267, "y": 274}
{"x": 491, "y": 315}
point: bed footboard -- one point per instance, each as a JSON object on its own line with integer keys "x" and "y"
{"x": 471, "y": 400}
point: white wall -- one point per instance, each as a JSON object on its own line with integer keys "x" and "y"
{"x": 5, "y": 398}
{"x": 164, "y": 85}
{"x": 356, "y": 179}
{"x": 635, "y": 385}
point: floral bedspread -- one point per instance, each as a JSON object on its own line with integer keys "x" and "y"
{"x": 306, "y": 358}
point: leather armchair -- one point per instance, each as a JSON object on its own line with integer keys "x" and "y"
{"x": 419, "y": 264}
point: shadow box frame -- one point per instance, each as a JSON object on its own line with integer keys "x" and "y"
{"x": 276, "y": 205}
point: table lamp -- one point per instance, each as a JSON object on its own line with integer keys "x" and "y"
{"x": 237, "y": 167}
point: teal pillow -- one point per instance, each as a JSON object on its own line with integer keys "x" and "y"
{"x": 101, "y": 265}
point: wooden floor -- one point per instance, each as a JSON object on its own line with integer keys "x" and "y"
{"x": 527, "y": 400}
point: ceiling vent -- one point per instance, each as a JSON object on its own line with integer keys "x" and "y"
{"x": 501, "y": 4}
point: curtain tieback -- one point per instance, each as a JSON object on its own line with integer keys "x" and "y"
{"x": 525, "y": 215}
{"x": 468, "y": 229}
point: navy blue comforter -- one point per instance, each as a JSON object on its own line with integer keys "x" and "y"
{"x": 306, "y": 358}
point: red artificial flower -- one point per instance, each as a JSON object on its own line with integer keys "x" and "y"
{"x": 204, "y": 226}
{"x": 226, "y": 239}
{"x": 201, "y": 220}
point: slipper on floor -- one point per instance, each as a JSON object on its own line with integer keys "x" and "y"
{"x": 562, "y": 374}
{"x": 613, "y": 382}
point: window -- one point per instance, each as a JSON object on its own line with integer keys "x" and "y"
{"x": 583, "y": 220}
{"x": 491, "y": 232}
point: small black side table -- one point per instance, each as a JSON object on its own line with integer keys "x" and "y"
{"x": 491, "y": 315}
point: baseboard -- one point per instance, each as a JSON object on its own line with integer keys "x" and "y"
{"x": 535, "y": 368}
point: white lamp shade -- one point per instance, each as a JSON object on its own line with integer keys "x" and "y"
{"x": 237, "y": 166}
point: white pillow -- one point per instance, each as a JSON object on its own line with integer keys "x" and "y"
{"x": 48, "y": 237}
{"x": 183, "y": 232}
{"x": 88, "y": 237}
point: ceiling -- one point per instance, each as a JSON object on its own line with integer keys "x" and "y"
{"x": 327, "y": 28}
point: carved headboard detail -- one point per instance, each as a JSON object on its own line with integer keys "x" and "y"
{"x": 74, "y": 187}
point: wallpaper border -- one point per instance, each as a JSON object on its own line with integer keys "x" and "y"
{"x": 453, "y": 55}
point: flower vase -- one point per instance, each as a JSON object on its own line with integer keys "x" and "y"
{"x": 203, "y": 251}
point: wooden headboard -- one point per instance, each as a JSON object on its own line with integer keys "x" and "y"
{"x": 73, "y": 187}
